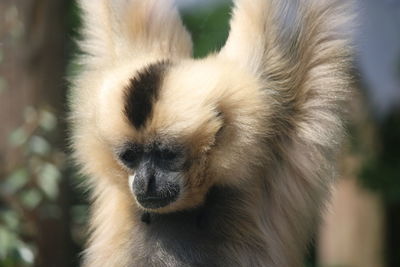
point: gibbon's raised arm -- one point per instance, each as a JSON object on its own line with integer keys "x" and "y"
{"x": 301, "y": 51}
{"x": 116, "y": 30}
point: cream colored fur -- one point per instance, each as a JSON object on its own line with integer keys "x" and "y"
{"x": 281, "y": 84}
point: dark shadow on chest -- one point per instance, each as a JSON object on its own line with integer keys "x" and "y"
{"x": 192, "y": 238}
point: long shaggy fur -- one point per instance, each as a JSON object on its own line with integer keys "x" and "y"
{"x": 262, "y": 120}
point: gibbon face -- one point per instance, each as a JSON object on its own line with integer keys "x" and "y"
{"x": 176, "y": 128}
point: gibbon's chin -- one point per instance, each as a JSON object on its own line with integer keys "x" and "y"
{"x": 152, "y": 194}
{"x": 166, "y": 197}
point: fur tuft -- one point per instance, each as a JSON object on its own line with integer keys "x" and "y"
{"x": 119, "y": 30}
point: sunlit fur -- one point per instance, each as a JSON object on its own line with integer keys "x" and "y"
{"x": 262, "y": 118}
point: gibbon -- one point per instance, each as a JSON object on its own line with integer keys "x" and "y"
{"x": 220, "y": 161}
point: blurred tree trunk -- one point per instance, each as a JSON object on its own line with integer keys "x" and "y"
{"x": 32, "y": 58}
{"x": 32, "y": 66}
{"x": 353, "y": 233}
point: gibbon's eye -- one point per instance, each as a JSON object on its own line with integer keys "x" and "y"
{"x": 172, "y": 159}
{"x": 131, "y": 155}
{"x": 167, "y": 154}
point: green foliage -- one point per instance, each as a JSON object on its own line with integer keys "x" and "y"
{"x": 13, "y": 251}
{"x": 30, "y": 187}
{"x": 382, "y": 172}
{"x": 209, "y": 28}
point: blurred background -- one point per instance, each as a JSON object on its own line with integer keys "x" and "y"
{"x": 43, "y": 212}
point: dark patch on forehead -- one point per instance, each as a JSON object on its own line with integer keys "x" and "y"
{"x": 142, "y": 92}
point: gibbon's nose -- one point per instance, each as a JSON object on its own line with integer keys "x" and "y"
{"x": 153, "y": 190}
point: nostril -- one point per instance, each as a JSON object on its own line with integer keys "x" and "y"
{"x": 151, "y": 186}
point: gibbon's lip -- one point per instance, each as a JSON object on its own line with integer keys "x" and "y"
{"x": 155, "y": 200}
{"x": 160, "y": 200}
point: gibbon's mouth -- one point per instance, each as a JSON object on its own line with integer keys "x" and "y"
{"x": 156, "y": 198}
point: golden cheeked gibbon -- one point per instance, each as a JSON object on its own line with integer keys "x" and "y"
{"x": 220, "y": 161}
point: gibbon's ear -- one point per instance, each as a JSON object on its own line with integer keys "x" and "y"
{"x": 125, "y": 29}
{"x": 247, "y": 40}
{"x": 301, "y": 52}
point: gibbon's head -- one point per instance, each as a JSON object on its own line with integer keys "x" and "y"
{"x": 175, "y": 128}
